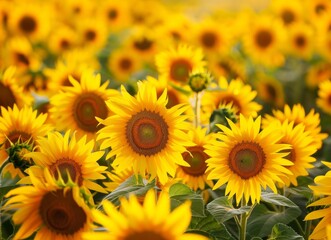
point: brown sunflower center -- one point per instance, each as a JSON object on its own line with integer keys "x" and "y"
{"x": 61, "y": 214}
{"x": 147, "y": 133}
{"x": 15, "y": 136}
{"x": 86, "y": 107}
{"x": 209, "y": 39}
{"x": 180, "y": 70}
{"x": 329, "y": 100}
{"x": 27, "y": 24}
{"x": 319, "y": 8}
{"x": 90, "y": 35}
{"x": 246, "y": 159}
{"x": 64, "y": 44}
{"x": 172, "y": 98}
{"x": 146, "y": 235}
{"x": 197, "y": 160}
{"x": 300, "y": 41}
{"x": 7, "y": 98}
{"x": 112, "y": 14}
{"x": 67, "y": 167}
{"x": 287, "y": 16}
{"x": 22, "y": 59}
{"x": 143, "y": 44}
{"x": 263, "y": 38}
{"x": 125, "y": 64}
{"x": 271, "y": 91}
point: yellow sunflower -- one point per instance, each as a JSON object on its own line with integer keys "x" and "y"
{"x": 50, "y": 211}
{"x": 144, "y": 134}
{"x": 324, "y": 96}
{"x": 77, "y": 107}
{"x": 150, "y": 221}
{"x": 323, "y": 44}
{"x": 176, "y": 64}
{"x": 311, "y": 121}
{"x": 236, "y": 92}
{"x": 195, "y": 175}
{"x": 20, "y": 125}
{"x": 301, "y": 150}
{"x": 316, "y": 9}
{"x": 321, "y": 188}
{"x": 11, "y": 92}
{"x": 318, "y": 73}
{"x": 245, "y": 159}
{"x": 288, "y": 11}
{"x": 263, "y": 40}
{"x": 68, "y": 159}
{"x": 61, "y": 39}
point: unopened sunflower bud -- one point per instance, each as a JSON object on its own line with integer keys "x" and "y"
{"x": 199, "y": 81}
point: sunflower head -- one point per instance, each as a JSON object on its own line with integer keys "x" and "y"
{"x": 324, "y": 96}
{"x": 199, "y": 81}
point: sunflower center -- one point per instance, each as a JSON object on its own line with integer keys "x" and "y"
{"x": 28, "y": 24}
{"x": 263, "y": 38}
{"x": 15, "y": 136}
{"x": 22, "y": 58}
{"x": 112, "y": 14}
{"x": 64, "y": 44}
{"x": 147, "y": 133}
{"x": 7, "y": 98}
{"x": 146, "y": 235}
{"x": 320, "y": 8}
{"x": 291, "y": 156}
{"x": 67, "y": 168}
{"x": 60, "y": 212}
{"x": 143, "y": 44}
{"x": 180, "y": 69}
{"x": 247, "y": 159}
{"x": 125, "y": 64}
{"x": 209, "y": 39}
{"x": 90, "y": 35}
{"x": 300, "y": 41}
{"x": 287, "y": 16}
{"x": 86, "y": 107}
{"x": 329, "y": 100}
{"x": 197, "y": 160}
{"x": 172, "y": 98}
{"x": 271, "y": 91}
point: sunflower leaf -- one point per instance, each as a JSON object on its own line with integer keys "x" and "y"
{"x": 277, "y": 199}
{"x": 222, "y": 209}
{"x": 179, "y": 189}
{"x": 283, "y": 232}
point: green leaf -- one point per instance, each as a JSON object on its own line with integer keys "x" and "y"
{"x": 283, "y": 232}
{"x": 277, "y": 199}
{"x": 5, "y": 190}
{"x": 197, "y": 207}
{"x": 209, "y": 227}
{"x": 179, "y": 189}
{"x": 222, "y": 209}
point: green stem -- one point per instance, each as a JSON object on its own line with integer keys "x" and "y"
{"x": 243, "y": 221}
{"x": 4, "y": 164}
{"x": 197, "y": 110}
{"x": 307, "y": 229}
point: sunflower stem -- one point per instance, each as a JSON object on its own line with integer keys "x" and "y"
{"x": 307, "y": 229}
{"x": 196, "y": 110}
{"x": 4, "y": 164}
{"x": 243, "y": 221}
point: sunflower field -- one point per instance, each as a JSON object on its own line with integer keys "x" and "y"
{"x": 165, "y": 119}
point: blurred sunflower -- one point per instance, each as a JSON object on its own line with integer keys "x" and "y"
{"x": 316, "y": 9}
{"x": 20, "y": 125}
{"x": 177, "y": 63}
{"x": 301, "y": 150}
{"x": 318, "y": 73}
{"x": 321, "y": 188}
{"x": 311, "y": 121}
{"x": 50, "y": 211}
{"x": 150, "y": 220}
{"x": 324, "y": 96}
{"x": 30, "y": 19}
{"x": 236, "y": 92}
{"x": 123, "y": 63}
{"x": 263, "y": 39}
{"x": 270, "y": 90}
{"x": 288, "y": 11}
{"x": 11, "y": 92}
{"x": 323, "y": 45}
{"x": 67, "y": 160}
{"x": 245, "y": 159}
{"x": 115, "y": 14}
{"x": 144, "y": 134}
{"x": 61, "y": 39}
{"x": 77, "y": 106}
{"x": 195, "y": 175}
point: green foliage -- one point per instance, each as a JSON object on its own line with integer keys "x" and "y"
{"x": 283, "y": 232}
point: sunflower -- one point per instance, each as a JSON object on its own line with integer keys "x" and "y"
{"x": 323, "y": 44}
{"x": 270, "y": 90}
{"x": 318, "y": 73}
{"x": 50, "y": 211}
{"x": 144, "y": 134}
{"x": 67, "y": 159}
{"x": 324, "y": 96}
{"x": 176, "y": 64}
{"x": 322, "y": 188}
{"x": 123, "y": 63}
{"x": 20, "y": 125}
{"x": 316, "y": 9}
{"x": 262, "y": 41}
{"x": 195, "y": 175}
{"x": 11, "y": 92}
{"x": 288, "y": 11}
{"x": 61, "y": 39}
{"x": 30, "y": 19}
{"x": 311, "y": 121}
{"x": 115, "y": 14}
{"x": 150, "y": 220}
{"x": 301, "y": 150}
{"x": 236, "y": 92}
{"x": 246, "y": 159}
{"x": 77, "y": 107}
